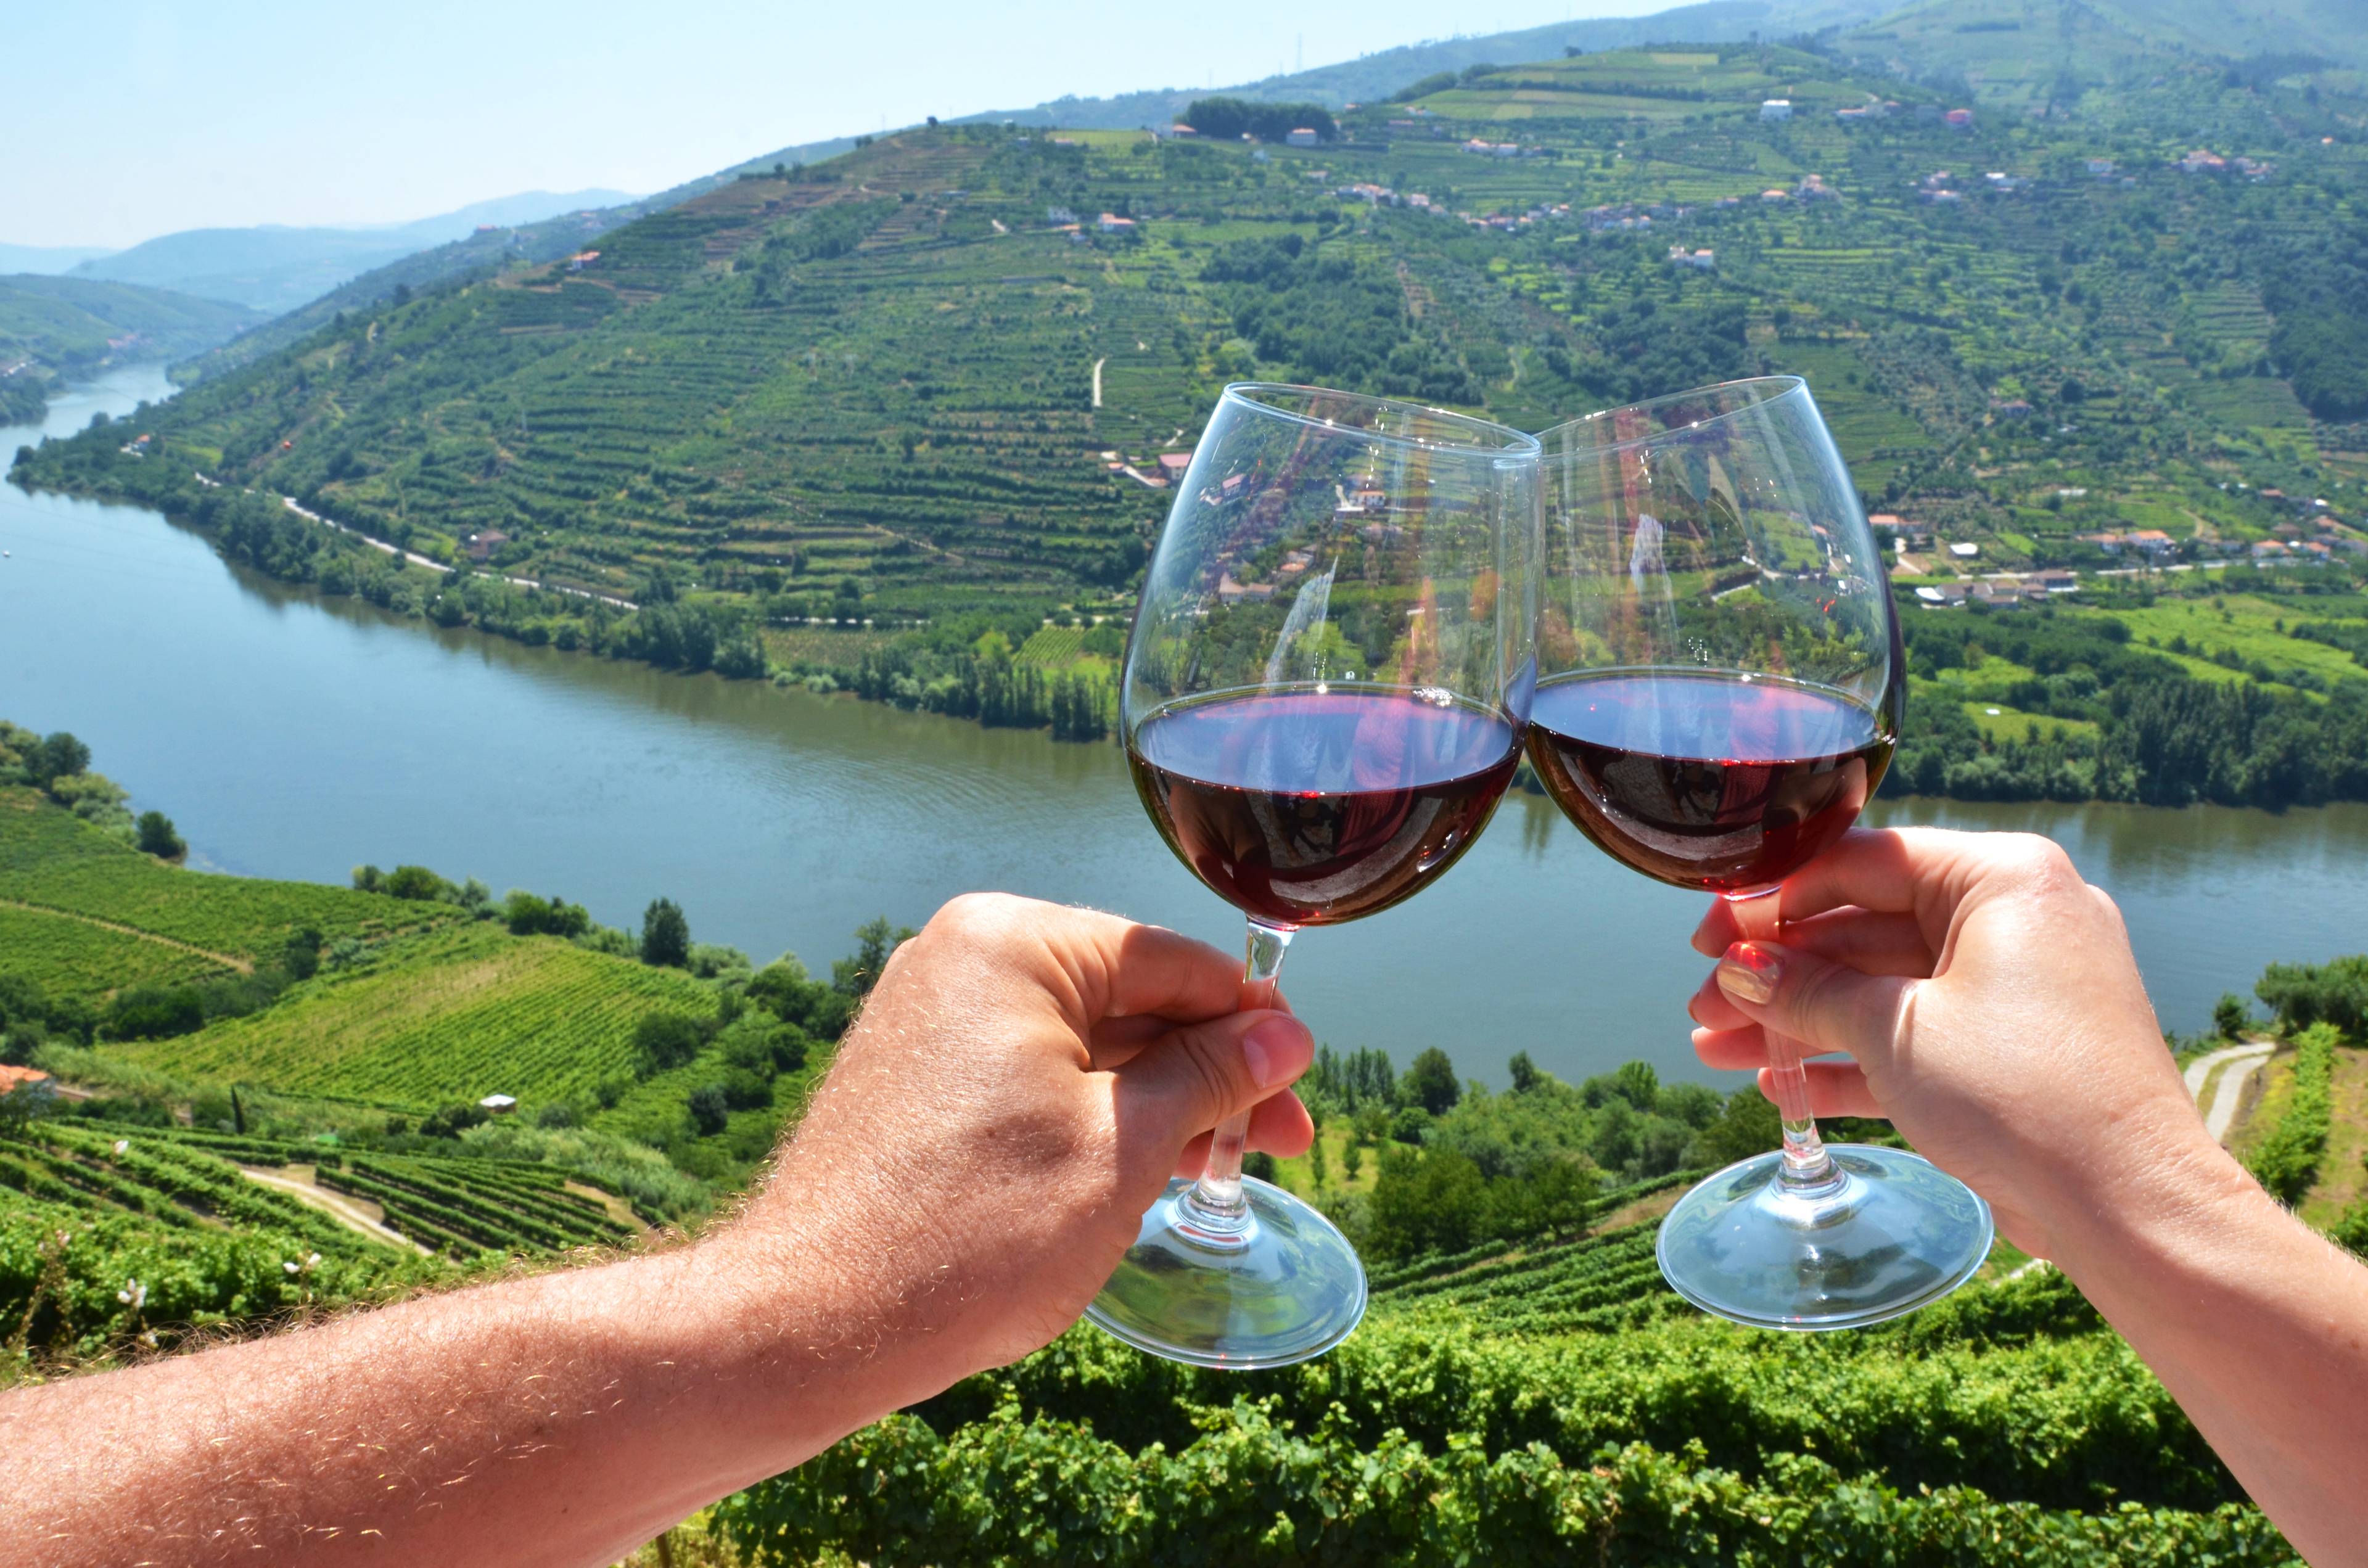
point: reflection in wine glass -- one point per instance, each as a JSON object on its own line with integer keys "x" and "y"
{"x": 1721, "y": 689}
{"x": 1324, "y": 702}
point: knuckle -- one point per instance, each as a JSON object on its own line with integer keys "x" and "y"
{"x": 977, "y": 918}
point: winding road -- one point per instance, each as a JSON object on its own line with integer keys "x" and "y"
{"x": 2217, "y": 1081}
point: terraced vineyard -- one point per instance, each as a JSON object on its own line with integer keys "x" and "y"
{"x": 449, "y": 1016}
{"x": 53, "y": 860}
{"x": 1593, "y": 1283}
{"x": 69, "y": 956}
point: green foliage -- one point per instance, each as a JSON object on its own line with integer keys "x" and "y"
{"x": 666, "y": 934}
{"x": 1430, "y": 1083}
{"x": 158, "y": 837}
{"x": 2286, "y": 1161}
{"x": 1228, "y": 120}
{"x": 2229, "y": 1016}
{"x": 2305, "y": 994}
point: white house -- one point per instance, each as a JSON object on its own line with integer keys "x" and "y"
{"x": 1776, "y": 108}
{"x": 1301, "y": 136}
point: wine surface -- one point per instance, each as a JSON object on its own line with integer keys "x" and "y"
{"x": 1308, "y": 808}
{"x": 1707, "y": 780}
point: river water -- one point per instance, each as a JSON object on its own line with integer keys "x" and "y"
{"x": 289, "y": 735}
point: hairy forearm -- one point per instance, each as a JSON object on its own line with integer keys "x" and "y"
{"x": 2256, "y": 1325}
{"x": 558, "y": 1419}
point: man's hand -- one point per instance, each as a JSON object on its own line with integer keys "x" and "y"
{"x": 1022, "y": 1081}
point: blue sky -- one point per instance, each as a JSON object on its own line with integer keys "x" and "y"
{"x": 140, "y": 119}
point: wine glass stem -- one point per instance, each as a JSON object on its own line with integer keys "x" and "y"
{"x": 1806, "y": 1164}
{"x": 1215, "y": 1200}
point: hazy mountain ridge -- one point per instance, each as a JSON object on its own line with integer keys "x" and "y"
{"x": 274, "y": 269}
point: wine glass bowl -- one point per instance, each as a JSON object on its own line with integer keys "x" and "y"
{"x": 1720, "y": 688}
{"x": 1324, "y": 700}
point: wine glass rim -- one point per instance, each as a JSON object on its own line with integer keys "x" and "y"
{"x": 1501, "y": 440}
{"x": 1778, "y": 387}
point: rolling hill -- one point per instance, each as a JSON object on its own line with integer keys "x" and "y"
{"x": 58, "y": 327}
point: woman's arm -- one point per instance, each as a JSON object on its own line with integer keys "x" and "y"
{"x": 1022, "y": 1080}
{"x": 1989, "y": 1006}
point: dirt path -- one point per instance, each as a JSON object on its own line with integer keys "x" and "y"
{"x": 2217, "y": 1080}
{"x": 244, "y": 966}
{"x": 1098, "y": 380}
{"x": 350, "y": 1212}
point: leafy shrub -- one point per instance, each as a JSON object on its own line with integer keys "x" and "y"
{"x": 2286, "y": 1161}
{"x": 2307, "y": 993}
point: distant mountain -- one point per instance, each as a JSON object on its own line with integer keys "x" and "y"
{"x": 48, "y": 260}
{"x": 274, "y": 269}
{"x": 53, "y": 329}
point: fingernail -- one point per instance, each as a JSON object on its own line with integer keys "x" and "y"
{"x": 1749, "y": 972}
{"x": 1277, "y": 1050}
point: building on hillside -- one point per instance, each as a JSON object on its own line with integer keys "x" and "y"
{"x": 1303, "y": 136}
{"x": 582, "y": 259}
{"x": 481, "y": 545}
{"x": 1941, "y": 595}
{"x": 1958, "y": 120}
{"x": 2202, "y": 162}
{"x": 2001, "y": 592}
{"x": 1173, "y": 464}
{"x": 1852, "y": 116}
{"x": 1230, "y": 591}
{"x": 1111, "y": 224}
{"x": 499, "y": 1105}
{"x": 1775, "y": 196}
{"x": 1700, "y": 260}
{"x": 37, "y": 1087}
{"x": 1774, "y": 109}
{"x": 2101, "y": 168}
{"x": 2055, "y": 580}
{"x": 2010, "y": 408}
{"x": 1964, "y": 550}
{"x": 1181, "y": 131}
{"x": 1938, "y": 198}
{"x": 1813, "y": 188}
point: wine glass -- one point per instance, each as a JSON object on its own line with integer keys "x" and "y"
{"x": 1721, "y": 688}
{"x": 1324, "y": 701}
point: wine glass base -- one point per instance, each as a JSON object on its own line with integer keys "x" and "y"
{"x": 1286, "y": 1288}
{"x": 1893, "y": 1234}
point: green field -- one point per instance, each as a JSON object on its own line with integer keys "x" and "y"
{"x": 50, "y": 860}
{"x": 450, "y": 1016}
{"x": 68, "y": 956}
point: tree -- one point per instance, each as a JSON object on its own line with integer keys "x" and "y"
{"x": 417, "y": 883}
{"x": 662, "y": 1041}
{"x": 666, "y": 934}
{"x": 1524, "y": 1071}
{"x": 59, "y": 757}
{"x": 874, "y": 941}
{"x": 1431, "y": 1083}
{"x": 157, "y": 837}
{"x": 710, "y": 1109}
{"x": 2229, "y": 1015}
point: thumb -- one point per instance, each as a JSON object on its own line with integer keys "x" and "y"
{"x": 1825, "y": 1005}
{"x": 1198, "y": 1074}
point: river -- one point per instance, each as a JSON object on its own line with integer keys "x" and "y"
{"x": 289, "y": 735}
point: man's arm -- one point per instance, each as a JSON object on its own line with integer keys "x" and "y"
{"x": 1989, "y": 1005}
{"x": 1021, "y": 1082}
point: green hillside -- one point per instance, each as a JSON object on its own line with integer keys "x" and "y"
{"x": 54, "y": 328}
{"x": 64, "y": 881}
{"x": 468, "y": 1012}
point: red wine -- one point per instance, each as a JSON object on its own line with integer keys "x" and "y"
{"x": 1706, "y": 780}
{"x": 1307, "y": 808}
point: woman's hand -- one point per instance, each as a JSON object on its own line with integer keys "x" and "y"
{"x": 1989, "y": 1006}
{"x": 1022, "y": 1082}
